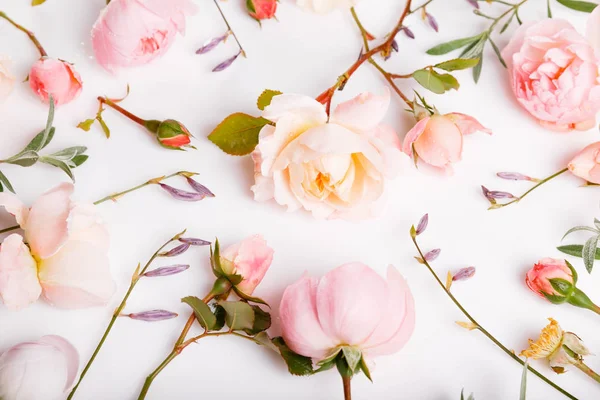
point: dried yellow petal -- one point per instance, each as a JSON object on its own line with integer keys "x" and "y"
{"x": 467, "y": 325}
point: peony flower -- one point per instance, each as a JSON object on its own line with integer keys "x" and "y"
{"x": 130, "y": 33}
{"x": 49, "y": 76}
{"x": 335, "y": 169}
{"x": 66, "y": 260}
{"x": 250, "y": 258}
{"x": 351, "y": 306}
{"x": 261, "y": 9}
{"x": 586, "y": 164}
{"x": 554, "y": 73}
{"x": 325, "y": 6}
{"x": 41, "y": 370}
{"x": 438, "y": 139}
{"x": 7, "y": 80}
{"x": 539, "y": 278}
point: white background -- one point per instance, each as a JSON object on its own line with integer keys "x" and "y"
{"x": 303, "y": 53}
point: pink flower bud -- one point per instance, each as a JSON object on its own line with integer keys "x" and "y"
{"x": 250, "y": 258}
{"x": 586, "y": 163}
{"x": 170, "y": 133}
{"x": 422, "y": 224}
{"x": 538, "y": 278}
{"x": 432, "y": 255}
{"x": 49, "y": 76}
{"x": 261, "y": 9}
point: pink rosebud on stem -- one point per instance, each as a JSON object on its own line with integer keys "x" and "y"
{"x": 261, "y": 9}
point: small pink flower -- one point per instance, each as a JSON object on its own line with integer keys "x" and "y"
{"x": 67, "y": 258}
{"x": 41, "y": 370}
{"x": 7, "y": 80}
{"x": 586, "y": 164}
{"x": 538, "y": 278}
{"x": 250, "y": 258}
{"x": 130, "y": 33}
{"x": 49, "y": 76}
{"x": 261, "y": 9}
{"x": 438, "y": 139}
{"x": 554, "y": 72}
{"x": 351, "y": 305}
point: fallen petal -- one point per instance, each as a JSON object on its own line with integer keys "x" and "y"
{"x": 201, "y": 189}
{"x": 182, "y": 194}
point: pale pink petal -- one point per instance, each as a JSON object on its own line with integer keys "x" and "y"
{"x": 251, "y": 259}
{"x": 516, "y": 42}
{"x": 467, "y": 124}
{"x": 19, "y": 285}
{"x": 7, "y": 80}
{"x": 86, "y": 225}
{"x": 350, "y": 301}
{"x": 440, "y": 144}
{"x": 70, "y": 353}
{"x": 46, "y": 229}
{"x": 593, "y": 30}
{"x": 585, "y": 125}
{"x": 585, "y": 163}
{"x": 363, "y": 113}
{"x": 14, "y": 206}
{"x": 300, "y": 324}
{"x": 301, "y": 106}
{"x": 387, "y": 142}
{"x": 413, "y": 135}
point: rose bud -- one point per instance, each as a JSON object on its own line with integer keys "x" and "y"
{"x": 438, "y": 139}
{"x": 49, "y": 76}
{"x": 586, "y": 163}
{"x": 261, "y": 9}
{"x": 40, "y": 370}
{"x": 250, "y": 258}
{"x": 170, "y": 133}
{"x": 555, "y": 280}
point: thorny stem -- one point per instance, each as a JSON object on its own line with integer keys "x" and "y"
{"x": 119, "y": 309}
{"x": 588, "y": 371}
{"x": 27, "y": 32}
{"x": 541, "y": 182}
{"x": 484, "y": 331}
{"x": 229, "y": 28}
{"x": 113, "y": 105}
{"x": 347, "y": 387}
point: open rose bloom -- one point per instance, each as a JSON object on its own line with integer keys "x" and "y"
{"x": 586, "y": 164}
{"x": 351, "y": 305}
{"x": 325, "y": 6}
{"x": 130, "y": 33}
{"x": 335, "y": 169}
{"x": 65, "y": 259}
{"x": 49, "y": 76}
{"x": 554, "y": 72}
{"x": 250, "y": 258}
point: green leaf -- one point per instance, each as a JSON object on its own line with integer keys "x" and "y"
{"x": 477, "y": 69}
{"x": 452, "y": 45}
{"x": 580, "y": 228}
{"x": 365, "y": 369}
{"x": 202, "y": 311}
{"x": 239, "y": 315}
{"x": 562, "y": 286}
{"x": 523, "y": 395}
{"x": 78, "y": 160}
{"x": 577, "y": 5}
{"x": 448, "y": 80}
{"x": 589, "y": 252}
{"x": 352, "y": 356}
{"x": 266, "y": 96}
{"x": 246, "y": 297}
{"x": 24, "y": 159}
{"x": 263, "y": 339}
{"x": 498, "y": 53}
{"x": 457, "y": 64}
{"x": 37, "y": 2}
{"x": 49, "y": 121}
{"x": 103, "y": 125}
{"x": 549, "y": 11}
{"x": 434, "y": 81}
{"x": 297, "y": 365}
{"x": 573, "y": 272}
{"x": 59, "y": 164}
{"x": 215, "y": 260}
{"x": 40, "y": 141}
{"x": 87, "y": 124}
{"x": 220, "y": 315}
{"x": 69, "y": 153}
{"x": 4, "y": 181}
{"x": 238, "y": 133}
{"x": 262, "y": 321}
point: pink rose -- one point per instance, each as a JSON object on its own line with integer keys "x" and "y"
{"x": 350, "y": 306}
{"x": 67, "y": 258}
{"x": 586, "y": 164}
{"x": 261, "y": 9}
{"x": 250, "y": 258}
{"x": 7, "y": 80}
{"x": 335, "y": 169}
{"x": 538, "y": 278}
{"x": 130, "y": 33}
{"x": 49, "y": 76}
{"x": 438, "y": 139}
{"x": 554, "y": 73}
{"x": 41, "y": 370}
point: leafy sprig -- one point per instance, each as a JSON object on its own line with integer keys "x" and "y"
{"x": 589, "y": 250}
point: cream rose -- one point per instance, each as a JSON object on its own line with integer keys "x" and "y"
{"x": 335, "y": 169}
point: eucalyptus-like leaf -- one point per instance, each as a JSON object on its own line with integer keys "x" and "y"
{"x": 597, "y": 223}
{"x": 4, "y": 182}
{"x": 589, "y": 252}
{"x": 59, "y": 164}
{"x": 457, "y": 64}
{"x": 498, "y": 53}
{"x": 453, "y": 45}
{"x": 40, "y": 140}
{"x": 26, "y": 158}
{"x": 69, "y": 153}
{"x": 576, "y": 250}
{"x": 577, "y": 5}
{"x": 580, "y": 228}
{"x": 523, "y": 395}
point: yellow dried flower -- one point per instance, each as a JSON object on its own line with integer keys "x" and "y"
{"x": 549, "y": 341}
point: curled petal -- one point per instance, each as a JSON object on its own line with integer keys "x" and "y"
{"x": 19, "y": 285}
{"x": 201, "y": 189}
{"x": 182, "y": 194}
{"x": 14, "y": 206}
{"x": 467, "y": 124}
{"x": 362, "y": 113}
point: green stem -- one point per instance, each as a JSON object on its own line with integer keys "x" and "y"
{"x": 588, "y": 371}
{"x": 484, "y": 331}
{"x": 540, "y": 183}
{"x": 134, "y": 281}
{"x": 514, "y": 8}
{"x": 229, "y": 28}
{"x": 363, "y": 31}
{"x": 27, "y": 32}
{"x": 421, "y": 6}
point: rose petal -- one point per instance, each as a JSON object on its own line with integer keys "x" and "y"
{"x": 19, "y": 285}
{"x": 362, "y": 113}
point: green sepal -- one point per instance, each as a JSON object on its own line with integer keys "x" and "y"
{"x": 297, "y": 365}
{"x": 573, "y": 272}
{"x": 152, "y": 125}
{"x": 365, "y": 369}
{"x": 554, "y": 299}
{"x": 252, "y": 299}
{"x": 352, "y": 355}
{"x": 562, "y": 286}
{"x": 215, "y": 260}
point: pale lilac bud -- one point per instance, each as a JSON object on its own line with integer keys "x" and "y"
{"x": 175, "y": 251}
{"x": 194, "y": 241}
{"x": 432, "y": 22}
{"x": 432, "y": 255}
{"x": 422, "y": 224}
{"x": 474, "y": 3}
{"x": 211, "y": 44}
{"x": 514, "y": 176}
{"x": 225, "y": 64}
{"x": 409, "y": 33}
{"x": 395, "y": 45}
{"x": 182, "y": 194}
{"x": 166, "y": 271}
{"x": 496, "y": 194}
{"x": 464, "y": 274}
{"x": 201, "y": 189}
{"x": 153, "y": 315}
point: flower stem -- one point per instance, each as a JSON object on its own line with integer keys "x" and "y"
{"x": 588, "y": 371}
{"x": 347, "y": 387}
{"x": 484, "y": 331}
{"x": 229, "y": 28}
{"x": 10, "y": 228}
{"x": 420, "y": 7}
{"x": 27, "y": 32}
{"x": 113, "y": 105}
{"x": 513, "y": 8}
{"x": 540, "y": 183}
{"x": 118, "y": 310}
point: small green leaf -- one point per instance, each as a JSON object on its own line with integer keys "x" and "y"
{"x": 105, "y": 128}
{"x": 87, "y": 124}
{"x": 238, "y": 133}
{"x": 202, "y": 311}
{"x": 577, "y": 5}
{"x": 263, "y": 339}
{"x": 59, "y": 164}
{"x": 352, "y": 356}
{"x": 239, "y": 315}
{"x": 40, "y": 141}
{"x": 266, "y": 96}
{"x": 220, "y": 315}
{"x": 477, "y": 69}
{"x": 262, "y": 321}
{"x": 69, "y": 153}
{"x": 549, "y": 11}
{"x": 498, "y": 53}
{"x": 426, "y": 78}
{"x": 4, "y": 181}
{"x": 24, "y": 159}
{"x": 457, "y": 64}
{"x": 78, "y": 160}
{"x": 589, "y": 252}
{"x": 365, "y": 369}
{"x": 452, "y": 45}
{"x": 562, "y": 286}
{"x": 297, "y": 365}
{"x": 523, "y": 395}
{"x": 580, "y": 228}
{"x": 448, "y": 80}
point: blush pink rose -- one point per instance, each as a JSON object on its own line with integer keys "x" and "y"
{"x": 538, "y": 278}
{"x": 554, "y": 72}
{"x": 250, "y": 258}
{"x": 7, "y": 80}
{"x": 586, "y": 164}
{"x": 130, "y": 33}
{"x": 351, "y": 305}
{"x": 438, "y": 139}
{"x": 336, "y": 168}
{"x": 261, "y": 9}
{"x": 49, "y": 76}
{"x": 66, "y": 261}
{"x": 41, "y": 370}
